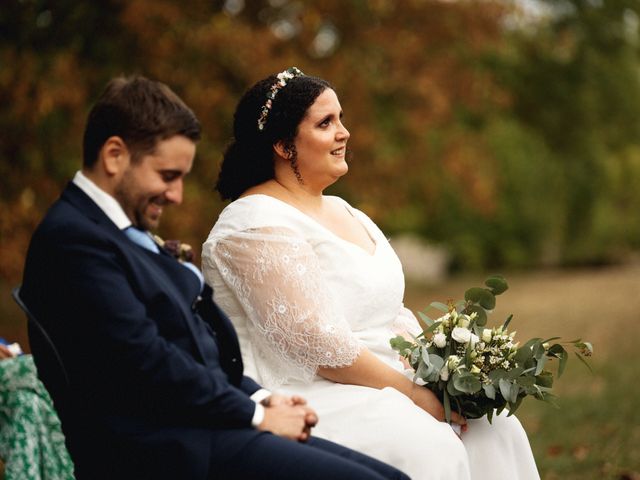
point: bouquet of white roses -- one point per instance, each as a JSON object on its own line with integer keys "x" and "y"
{"x": 475, "y": 370}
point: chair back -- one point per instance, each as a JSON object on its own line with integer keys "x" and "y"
{"x": 50, "y": 367}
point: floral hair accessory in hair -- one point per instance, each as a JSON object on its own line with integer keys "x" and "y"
{"x": 283, "y": 78}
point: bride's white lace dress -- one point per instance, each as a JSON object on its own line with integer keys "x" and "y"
{"x": 300, "y": 297}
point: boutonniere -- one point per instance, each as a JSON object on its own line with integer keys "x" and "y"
{"x": 181, "y": 251}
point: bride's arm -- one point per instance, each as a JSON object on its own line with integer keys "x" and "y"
{"x": 369, "y": 371}
{"x": 276, "y": 278}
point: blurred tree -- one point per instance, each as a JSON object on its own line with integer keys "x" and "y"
{"x": 575, "y": 83}
{"x": 501, "y": 141}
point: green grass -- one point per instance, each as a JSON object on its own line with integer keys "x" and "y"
{"x": 596, "y": 431}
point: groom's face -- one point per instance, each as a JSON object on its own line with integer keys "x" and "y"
{"x": 155, "y": 181}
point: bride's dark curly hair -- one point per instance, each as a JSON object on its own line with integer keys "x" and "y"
{"x": 249, "y": 158}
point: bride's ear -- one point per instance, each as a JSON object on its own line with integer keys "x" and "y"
{"x": 283, "y": 149}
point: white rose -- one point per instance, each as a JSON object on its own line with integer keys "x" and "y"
{"x": 453, "y": 361}
{"x": 486, "y": 335}
{"x": 444, "y": 373}
{"x": 461, "y": 335}
{"x": 463, "y": 322}
{"x": 474, "y": 340}
{"x": 440, "y": 340}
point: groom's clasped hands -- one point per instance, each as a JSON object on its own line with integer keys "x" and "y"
{"x": 288, "y": 416}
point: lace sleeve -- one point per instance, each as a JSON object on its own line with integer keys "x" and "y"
{"x": 277, "y": 279}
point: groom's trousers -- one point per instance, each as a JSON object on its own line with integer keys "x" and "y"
{"x": 269, "y": 457}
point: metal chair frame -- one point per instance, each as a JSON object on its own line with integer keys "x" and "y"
{"x": 36, "y": 326}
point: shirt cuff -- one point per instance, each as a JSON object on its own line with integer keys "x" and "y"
{"x": 260, "y": 395}
{"x": 258, "y": 414}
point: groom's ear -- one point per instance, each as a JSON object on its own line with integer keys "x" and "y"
{"x": 114, "y": 156}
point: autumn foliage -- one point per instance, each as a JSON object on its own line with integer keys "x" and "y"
{"x": 490, "y": 136}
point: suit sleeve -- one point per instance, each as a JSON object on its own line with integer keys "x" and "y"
{"x": 249, "y": 385}
{"x": 119, "y": 349}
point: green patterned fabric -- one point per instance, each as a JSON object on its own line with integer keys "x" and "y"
{"x": 31, "y": 440}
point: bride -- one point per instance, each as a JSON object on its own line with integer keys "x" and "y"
{"x": 315, "y": 292}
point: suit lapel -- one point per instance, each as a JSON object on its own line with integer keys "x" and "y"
{"x": 153, "y": 261}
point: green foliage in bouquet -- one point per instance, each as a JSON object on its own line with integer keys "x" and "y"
{"x": 477, "y": 370}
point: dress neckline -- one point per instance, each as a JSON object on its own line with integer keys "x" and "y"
{"x": 331, "y": 232}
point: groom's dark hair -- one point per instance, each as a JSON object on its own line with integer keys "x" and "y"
{"x": 141, "y": 112}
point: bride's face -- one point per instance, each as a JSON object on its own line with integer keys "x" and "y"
{"x": 321, "y": 143}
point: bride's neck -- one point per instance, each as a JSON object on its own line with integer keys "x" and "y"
{"x": 300, "y": 195}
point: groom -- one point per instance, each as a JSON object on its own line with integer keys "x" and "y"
{"x": 156, "y": 388}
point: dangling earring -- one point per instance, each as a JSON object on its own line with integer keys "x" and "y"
{"x": 292, "y": 156}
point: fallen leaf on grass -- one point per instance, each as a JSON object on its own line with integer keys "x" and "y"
{"x": 580, "y": 452}
{"x": 555, "y": 450}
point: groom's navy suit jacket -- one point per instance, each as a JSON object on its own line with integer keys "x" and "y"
{"x": 156, "y": 379}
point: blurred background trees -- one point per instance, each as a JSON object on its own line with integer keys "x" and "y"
{"x": 506, "y": 131}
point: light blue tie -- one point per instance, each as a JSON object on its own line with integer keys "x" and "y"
{"x": 141, "y": 238}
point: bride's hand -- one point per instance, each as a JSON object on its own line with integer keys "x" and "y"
{"x": 426, "y": 399}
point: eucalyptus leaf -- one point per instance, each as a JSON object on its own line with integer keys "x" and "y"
{"x": 496, "y": 375}
{"x": 422, "y": 370}
{"x": 507, "y": 391}
{"x": 467, "y": 383}
{"x": 451, "y": 388}
{"x": 556, "y": 350}
{"x": 497, "y": 284}
{"x": 515, "y": 373}
{"x": 481, "y": 296}
{"x": 489, "y": 391}
{"x": 401, "y": 345}
{"x": 540, "y": 365}
{"x": 583, "y": 361}
{"x": 425, "y": 318}
{"x": 526, "y": 381}
{"x": 437, "y": 361}
{"x": 433, "y": 327}
{"x": 545, "y": 379}
{"x": 426, "y": 357}
{"x": 446, "y": 402}
{"x": 564, "y": 356}
{"x": 413, "y": 357}
{"x": 514, "y": 406}
{"x": 440, "y": 306}
{"x": 507, "y": 322}
{"x": 538, "y": 350}
{"x": 523, "y": 355}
